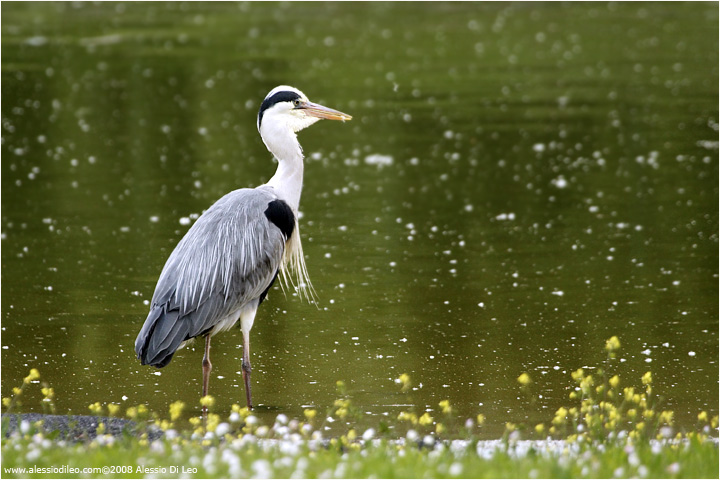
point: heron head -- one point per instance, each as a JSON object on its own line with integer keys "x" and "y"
{"x": 289, "y": 107}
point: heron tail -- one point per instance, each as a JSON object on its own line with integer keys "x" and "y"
{"x": 160, "y": 337}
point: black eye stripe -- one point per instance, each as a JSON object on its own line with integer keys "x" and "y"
{"x": 283, "y": 96}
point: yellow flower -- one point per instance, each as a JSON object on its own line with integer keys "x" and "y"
{"x": 16, "y": 391}
{"x": 410, "y": 417}
{"x": 242, "y": 411}
{"x": 613, "y": 414}
{"x": 342, "y": 403}
{"x": 615, "y": 381}
{"x": 612, "y": 344}
{"x": 113, "y": 409}
{"x": 647, "y": 378}
{"x": 703, "y": 416}
{"x": 480, "y": 419}
{"x": 539, "y": 428}
{"x": 425, "y": 419}
{"x": 207, "y": 401}
{"x": 176, "y": 409}
{"x": 560, "y": 416}
{"x": 340, "y": 385}
{"x": 6, "y": 401}
{"x": 578, "y": 374}
{"x": 213, "y": 420}
{"x": 96, "y": 408}
{"x": 586, "y": 383}
{"x": 404, "y": 380}
{"x": 445, "y": 406}
{"x": 524, "y": 379}
{"x": 310, "y": 413}
{"x": 47, "y": 392}
{"x": 439, "y": 428}
{"x": 195, "y": 421}
{"x": 666, "y": 416}
{"x": 33, "y": 375}
{"x": 592, "y": 420}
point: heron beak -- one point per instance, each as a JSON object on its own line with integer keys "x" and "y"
{"x": 319, "y": 111}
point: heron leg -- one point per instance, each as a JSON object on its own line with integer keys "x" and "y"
{"x": 246, "y": 369}
{"x": 206, "y": 368}
{"x": 247, "y": 318}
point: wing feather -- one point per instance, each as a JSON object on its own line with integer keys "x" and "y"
{"x": 227, "y": 259}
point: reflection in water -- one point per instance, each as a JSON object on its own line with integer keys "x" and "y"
{"x": 519, "y": 183}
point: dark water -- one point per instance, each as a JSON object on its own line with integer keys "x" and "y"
{"x": 519, "y": 183}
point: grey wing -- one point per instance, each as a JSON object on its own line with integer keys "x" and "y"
{"x": 227, "y": 259}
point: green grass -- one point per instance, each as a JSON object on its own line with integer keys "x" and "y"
{"x": 248, "y": 457}
{"x": 608, "y": 430}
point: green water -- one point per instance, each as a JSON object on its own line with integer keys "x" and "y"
{"x": 519, "y": 183}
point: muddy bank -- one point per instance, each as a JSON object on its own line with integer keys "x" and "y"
{"x": 76, "y": 427}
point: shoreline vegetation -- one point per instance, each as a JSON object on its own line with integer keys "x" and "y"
{"x": 611, "y": 428}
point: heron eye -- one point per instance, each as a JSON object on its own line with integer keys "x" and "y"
{"x": 296, "y": 102}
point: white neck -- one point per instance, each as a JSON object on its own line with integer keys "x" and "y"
{"x": 287, "y": 184}
{"x": 288, "y": 179}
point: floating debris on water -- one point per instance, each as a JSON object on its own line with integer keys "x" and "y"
{"x": 379, "y": 160}
{"x": 559, "y": 182}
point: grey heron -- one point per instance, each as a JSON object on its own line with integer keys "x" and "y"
{"x": 222, "y": 269}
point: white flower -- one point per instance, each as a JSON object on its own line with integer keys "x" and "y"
{"x": 33, "y": 455}
{"x": 222, "y": 429}
{"x": 456, "y": 469}
{"x": 261, "y": 469}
